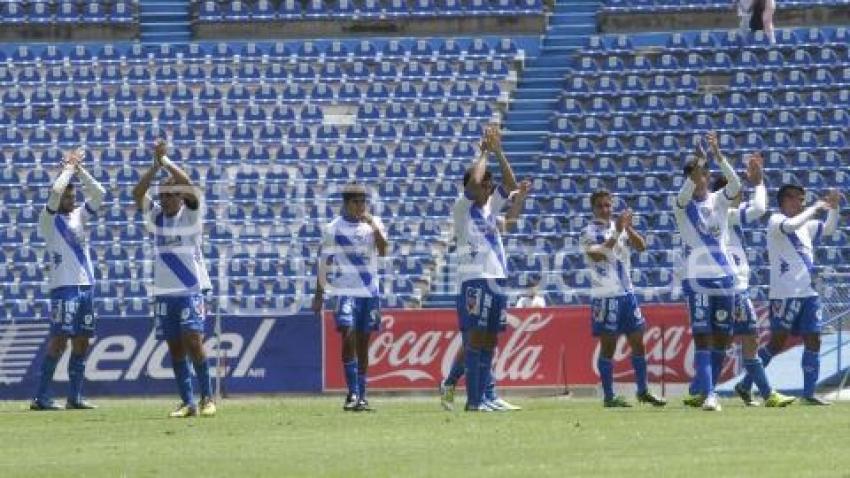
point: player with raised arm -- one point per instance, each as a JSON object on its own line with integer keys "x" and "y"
{"x": 180, "y": 277}
{"x": 708, "y": 279}
{"x": 744, "y": 320}
{"x": 607, "y": 245}
{"x": 795, "y": 306}
{"x": 348, "y": 270}
{"x": 482, "y": 265}
{"x": 71, "y": 281}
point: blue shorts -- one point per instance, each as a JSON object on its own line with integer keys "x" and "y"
{"x": 710, "y": 314}
{"x": 363, "y": 314}
{"x": 480, "y": 307}
{"x": 616, "y": 315}
{"x": 799, "y": 315}
{"x": 744, "y": 318}
{"x": 177, "y": 315}
{"x": 72, "y": 311}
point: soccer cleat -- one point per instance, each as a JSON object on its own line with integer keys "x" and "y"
{"x": 207, "y": 407}
{"x": 479, "y": 408}
{"x": 362, "y": 406}
{"x": 777, "y": 400}
{"x": 447, "y": 397}
{"x": 49, "y": 406}
{"x": 350, "y": 402}
{"x": 83, "y": 404}
{"x": 815, "y": 401}
{"x": 616, "y": 402}
{"x": 650, "y": 398}
{"x": 184, "y": 411}
{"x": 746, "y": 395}
{"x": 711, "y": 404}
{"x": 504, "y": 405}
{"x": 491, "y": 405}
{"x": 694, "y": 401}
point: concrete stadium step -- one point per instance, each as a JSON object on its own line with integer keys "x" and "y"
{"x": 166, "y": 37}
{"x": 536, "y": 94}
{"x": 163, "y": 17}
{"x": 526, "y": 116}
{"x": 540, "y": 83}
{"x": 173, "y": 27}
{"x": 549, "y": 60}
{"x": 576, "y": 7}
{"x": 573, "y": 41}
{"x": 558, "y": 72}
{"x": 572, "y": 29}
{"x": 166, "y": 7}
{"x": 526, "y": 105}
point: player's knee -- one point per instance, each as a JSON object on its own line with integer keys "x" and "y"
{"x": 812, "y": 342}
{"x": 702, "y": 341}
{"x": 57, "y": 346}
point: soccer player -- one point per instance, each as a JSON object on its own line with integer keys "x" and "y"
{"x": 744, "y": 318}
{"x": 607, "y": 245}
{"x": 351, "y": 244}
{"x": 708, "y": 279}
{"x": 71, "y": 281}
{"x": 180, "y": 277}
{"x": 482, "y": 266}
{"x": 795, "y": 306}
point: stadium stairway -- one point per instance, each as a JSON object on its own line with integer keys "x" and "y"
{"x": 533, "y": 102}
{"x": 784, "y": 370}
{"x": 164, "y": 21}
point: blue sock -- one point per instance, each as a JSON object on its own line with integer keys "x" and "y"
{"x": 755, "y": 372}
{"x": 639, "y": 365}
{"x": 606, "y": 374}
{"x": 48, "y": 366}
{"x": 76, "y": 375}
{"x": 766, "y": 356}
{"x": 458, "y": 368}
{"x": 183, "y": 376}
{"x": 693, "y": 387}
{"x": 811, "y": 370}
{"x": 473, "y": 373}
{"x": 361, "y": 384}
{"x": 202, "y": 370}
{"x": 718, "y": 356}
{"x": 702, "y": 367}
{"x": 351, "y": 376}
{"x": 485, "y": 376}
{"x": 490, "y": 389}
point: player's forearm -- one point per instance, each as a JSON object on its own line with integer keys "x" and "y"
{"x": 381, "y": 242}
{"x": 758, "y": 206}
{"x": 831, "y": 224}
{"x": 793, "y": 223}
{"x": 180, "y": 176}
{"x": 733, "y": 181}
{"x": 514, "y": 212}
{"x": 141, "y": 189}
{"x": 508, "y": 178}
{"x": 58, "y": 188}
{"x": 635, "y": 239}
{"x": 686, "y": 193}
{"x": 93, "y": 189}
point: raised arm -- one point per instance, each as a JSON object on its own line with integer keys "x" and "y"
{"x": 495, "y": 144}
{"x": 636, "y": 240}
{"x": 791, "y": 224}
{"x": 733, "y": 182}
{"x": 479, "y": 167}
{"x": 93, "y": 189}
{"x": 757, "y": 206}
{"x": 141, "y": 189}
{"x": 381, "y": 242}
{"x": 833, "y": 200}
{"x": 517, "y": 205}
{"x": 179, "y": 176}
{"x": 60, "y": 184}
{"x": 600, "y": 252}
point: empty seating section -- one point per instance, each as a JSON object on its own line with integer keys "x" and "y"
{"x": 272, "y": 130}
{"x": 628, "y": 117}
{"x": 67, "y": 12}
{"x": 214, "y": 11}
{"x": 649, "y": 6}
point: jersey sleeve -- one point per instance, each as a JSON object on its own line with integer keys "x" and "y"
{"x": 774, "y": 224}
{"x": 815, "y": 228}
{"x": 45, "y": 222}
{"x": 587, "y": 239}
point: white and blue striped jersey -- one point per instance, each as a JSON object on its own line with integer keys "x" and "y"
{"x": 67, "y": 246}
{"x": 480, "y": 252}
{"x": 791, "y": 256}
{"x": 611, "y": 277}
{"x": 703, "y": 226}
{"x": 745, "y": 214}
{"x": 350, "y": 251}
{"x": 179, "y": 268}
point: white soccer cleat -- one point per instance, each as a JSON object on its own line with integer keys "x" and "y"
{"x": 491, "y": 406}
{"x": 504, "y": 405}
{"x": 712, "y": 404}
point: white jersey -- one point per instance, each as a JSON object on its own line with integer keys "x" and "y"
{"x": 745, "y": 214}
{"x": 480, "y": 252}
{"x": 791, "y": 256}
{"x": 349, "y": 247}
{"x": 704, "y": 227}
{"x": 67, "y": 246}
{"x": 179, "y": 267}
{"x": 611, "y": 277}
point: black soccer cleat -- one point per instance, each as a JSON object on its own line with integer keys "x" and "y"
{"x": 50, "y": 406}
{"x": 362, "y": 406}
{"x": 83, "y": 404}
{"x": 350, "y": 404}
{"x": 650, "y": 398}
{"x": 815, "y": 401}
{"x": 746, "y": 395}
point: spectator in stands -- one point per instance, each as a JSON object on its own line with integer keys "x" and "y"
{"x": 757, "y": 15}
{"x": 532, "y": 298}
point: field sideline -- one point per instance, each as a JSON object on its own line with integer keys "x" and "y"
{"x": 312, "y": 436}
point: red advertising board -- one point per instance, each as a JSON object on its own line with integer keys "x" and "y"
{"x": 550, "y": 347}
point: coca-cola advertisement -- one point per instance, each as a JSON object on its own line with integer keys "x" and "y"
{"x": 549, "y": 347}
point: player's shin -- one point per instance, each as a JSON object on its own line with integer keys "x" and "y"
{"x": 202, "y": 370}
{"x": 702, "y": 368}
{"x": 76, "y": 375}
{"x": 48, "y": 367}
{"x": 350, "y": 369}
{"x": 472, "y": 357}
{"x": 485, "y": 375}
{"x": 183, "y": 377}
{"x": 755, "y": 372}
{"x": 765, "y": 356}
{"x": 458, "y": 368}
{"x": 811, "y": 369}
{"x": 718, "y": 356}
{"x": 639, "y": 366}
{"x": 606, "y": 375}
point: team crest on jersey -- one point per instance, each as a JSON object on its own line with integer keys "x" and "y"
{"x": 777, "y": 306}
{"x": 473, "y": 300}
{"x": 184, "y": 314}
{"x": 721, "y": 315}
{"x": 346, "y": 308}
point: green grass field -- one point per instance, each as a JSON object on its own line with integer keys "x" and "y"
{"x": 413, "y": 437}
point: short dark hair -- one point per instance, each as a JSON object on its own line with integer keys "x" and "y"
{"x": 599, "y": 194}
{"x": 719, "y": 183}
{"x": 786, "y": 191}
{"x": 353, "y": 191}
{"x": 690, "y": 165}
{"x": 468, "y": 175}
